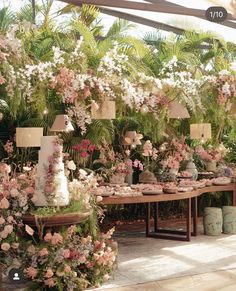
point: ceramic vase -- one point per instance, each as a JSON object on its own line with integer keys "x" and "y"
{"x": 117, "y": 178}
{"x": 211, "y": 166}
{"x": 191, "y": 168}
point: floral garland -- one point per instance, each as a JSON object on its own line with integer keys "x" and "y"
{"x": 51, "y": 171}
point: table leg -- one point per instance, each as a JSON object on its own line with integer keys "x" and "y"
{"x": 155, "y": 216}
{"x": 234, "y": 198}
{"x": 148, "y": 222}
{"x": 188, "y": 220}
{"x": 194, "y": 208}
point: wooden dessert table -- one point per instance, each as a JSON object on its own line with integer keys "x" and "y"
{"x": 191, "y": 211}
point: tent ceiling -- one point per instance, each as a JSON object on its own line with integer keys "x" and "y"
{"x": 172, "y": 15}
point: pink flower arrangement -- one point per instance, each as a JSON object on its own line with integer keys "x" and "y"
{"x": 226, "y": 87}
{"x": 59, "y": 264}
{"x": 51, "y": 171}
{"x": 209, "y": 155}
{"x": 174, "y": 153}
{"x": 85, "y": 148}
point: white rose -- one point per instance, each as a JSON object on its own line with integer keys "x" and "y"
{"x": 5, "y": 247}
{"x": 71, "y": 165}
{"x": 14, "y": 193}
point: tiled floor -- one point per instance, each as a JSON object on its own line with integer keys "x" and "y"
{"x": 214, "y": 281}
{"x": 205, "y": 263}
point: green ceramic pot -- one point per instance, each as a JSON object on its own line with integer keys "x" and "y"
{"x": 212, "y": 221}
{"x": 229, "y": 218}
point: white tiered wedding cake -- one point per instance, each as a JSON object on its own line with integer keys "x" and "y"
{"x": 51, "y": 183}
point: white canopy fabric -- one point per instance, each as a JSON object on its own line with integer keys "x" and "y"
{"x": 164, "y": 21}
{"x": 188, "y": 22}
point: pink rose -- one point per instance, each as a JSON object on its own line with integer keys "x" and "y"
{"x": 50, "y": 282}
{"x": 56, "y": 239}
{"x": 2, "y": 220}
{"x": 15, "y": 245}
{"x": 8, "y": 229}
{"x": 91, "y": 148}
{"x": 31, "y": 272}
{"x": 90, "y": 265}
{"x": 29, "y": 190}
{"x": 66, "y": 253}
{"x": 67, "y": 269}
{"x": 3, "y": 234}
{"x": 43, "y": 252}
{"x": 4, "y": 203}
{"x": 77, "y": 147}
{"x": 82, "y": 259}
{"x": 49, "y": 273}
{"x": 48, "y": 237}
{"x": 84, "y": 155}
{"x": 5, "y": 247}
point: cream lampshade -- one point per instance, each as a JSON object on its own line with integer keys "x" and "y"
{"x": 62, "y": 123}
{"x": 177, "y": 110}
{"x": 28, "y": 136}
{"x": 200, "y": 131}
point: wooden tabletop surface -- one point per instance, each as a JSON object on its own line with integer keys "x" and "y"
{"x": 165, "y": 197}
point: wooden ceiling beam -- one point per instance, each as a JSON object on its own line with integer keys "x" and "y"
{"x": 162, "y": 8}
{"x": 142, "y": 20}
{"x": 173, "y": 5}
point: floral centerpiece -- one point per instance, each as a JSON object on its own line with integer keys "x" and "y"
{"x": 211, "y": 156}
{"x": 113, "y": 167}
{"x": 84, "y": 151}
{"x": 150, "y": 156}
{"x": 173, "y": 153}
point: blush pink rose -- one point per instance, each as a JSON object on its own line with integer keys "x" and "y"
{"x": 82, "y": 259}
{"x": 2, "y": 220}
{"x": 4, "y": 203}
{"x": 84, "y": 154}
{"x": 3, "y": 234}
{"x": 66, "y": 253}
{"x": 50, "y": 282}
{"x": 5, "y": 247}
{"x": 29, "y": 190}
{"x": 43, "y": 252}
{"x": 8, "y": 228}
{"x": 56, "y": 239}
{"x": 48, "y": 237}
{"x": 67, "y": 269}
{"x": 49, "y": 273}
{"x": 31, "y": 272}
